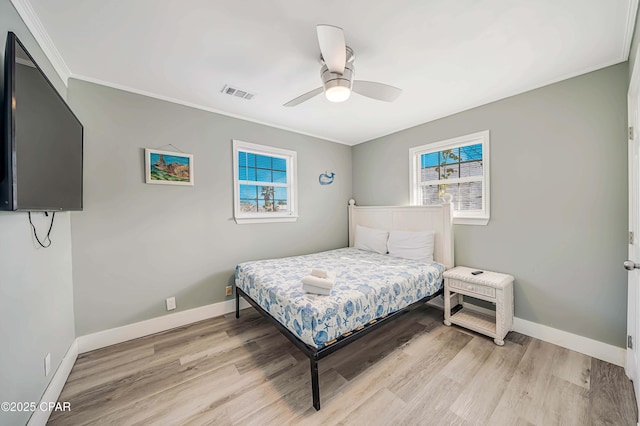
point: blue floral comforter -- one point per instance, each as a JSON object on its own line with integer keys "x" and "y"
{"x": 367, "y": 286}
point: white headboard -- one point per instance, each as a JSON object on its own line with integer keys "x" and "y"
{"x": 409, "y": 218}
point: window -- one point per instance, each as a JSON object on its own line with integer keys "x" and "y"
{"x": 264, "y": 183}
{"x": 459, "y": 167}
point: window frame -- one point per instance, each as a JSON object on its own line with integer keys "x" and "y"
{"x": 292, "y": 190}
{"x": 474, "y": 217}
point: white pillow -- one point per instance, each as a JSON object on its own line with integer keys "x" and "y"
{"x": 371, "y": 239}
{"x": 412, "y": 245}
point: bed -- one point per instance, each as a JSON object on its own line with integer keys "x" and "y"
{"x": 370, "y": 289}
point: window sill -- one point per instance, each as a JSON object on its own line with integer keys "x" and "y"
{"x": 248, "y": 220}
{"x": 471, "y": 221}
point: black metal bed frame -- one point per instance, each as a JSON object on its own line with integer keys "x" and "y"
{"x": 315, "y": 354}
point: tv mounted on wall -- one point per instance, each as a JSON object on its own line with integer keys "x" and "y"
{"x": 41, "y": 157}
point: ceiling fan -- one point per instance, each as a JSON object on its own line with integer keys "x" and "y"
{"x": 337, "y": 72}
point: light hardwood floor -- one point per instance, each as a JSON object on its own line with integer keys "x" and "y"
{"x": 413, "y": 371}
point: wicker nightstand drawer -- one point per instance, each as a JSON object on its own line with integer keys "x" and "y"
{"x": 472, "y": 288}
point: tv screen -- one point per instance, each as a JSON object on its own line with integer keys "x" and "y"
{"x": 42, "y": 164}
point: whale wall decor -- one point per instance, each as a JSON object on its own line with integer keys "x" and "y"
{"x": 326, "y": 178}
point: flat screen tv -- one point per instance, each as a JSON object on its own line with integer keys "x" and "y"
{"x": 41, "y": 159}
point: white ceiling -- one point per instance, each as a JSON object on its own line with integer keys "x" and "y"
{"x": 448, "y": 56}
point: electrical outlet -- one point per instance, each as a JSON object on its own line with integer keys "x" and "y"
{"x": 229, "y": 290}
{"x": 47, "y": 364}
{"x": 171, "y": 303}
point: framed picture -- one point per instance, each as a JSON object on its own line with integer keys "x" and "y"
{"x": 168, "y": 167}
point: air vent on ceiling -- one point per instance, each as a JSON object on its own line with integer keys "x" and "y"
{"x": 234, "y": 91}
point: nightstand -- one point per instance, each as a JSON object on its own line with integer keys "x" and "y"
{"x": 490, "y": 286}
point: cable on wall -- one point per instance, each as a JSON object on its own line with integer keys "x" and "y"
{"x": 43, "y": 243}
{"x": 172, "y": 146}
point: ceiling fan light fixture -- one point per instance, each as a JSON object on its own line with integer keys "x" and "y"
{"x": 337, "y": 87}
{"x": 337, "y": 72}
{"x": 337, "y": 93}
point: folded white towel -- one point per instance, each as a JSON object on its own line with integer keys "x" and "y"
{"x": 316, "y": 272}
{"x": 309, "y": 288}
{"x": 317, "y": 282}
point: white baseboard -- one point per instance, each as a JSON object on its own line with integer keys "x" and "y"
{"x": 593, "y": 348}
{"x": 584, "y": 345}
{"x": 101, "y": 339}
{"x": 51, "y": 395}
{"x": 116, "y": 335}
{"x": 113, "y": 336}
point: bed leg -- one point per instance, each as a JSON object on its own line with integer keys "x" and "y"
{"x": 237, "y": 303}
{"x": 315, "y": 387}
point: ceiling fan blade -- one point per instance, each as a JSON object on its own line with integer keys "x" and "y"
{"x": 302, "y": 98}
{"x": 379, "y": 91}
{"x": 332, "y": 47}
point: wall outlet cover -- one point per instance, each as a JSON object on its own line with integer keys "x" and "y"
{"x": 229, "y": 290}
{"x": 171, "y": 303}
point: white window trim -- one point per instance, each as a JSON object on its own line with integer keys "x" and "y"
{"x": 459, "y": 217}
{"x": 292, "y": 176}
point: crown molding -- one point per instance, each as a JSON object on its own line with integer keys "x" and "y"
{"x": 33, "y": 23}
{"x": 200, "y": 107}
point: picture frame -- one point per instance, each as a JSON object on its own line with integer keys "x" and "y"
{"x": 168, "y": 167}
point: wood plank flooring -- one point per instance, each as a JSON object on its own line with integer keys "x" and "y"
{"x": 228, "y": 371}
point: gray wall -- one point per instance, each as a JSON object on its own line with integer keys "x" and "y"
{"x": 36, "y": 294}
{"x": 136, "y": 244}
{"x": 558, "y": 198}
